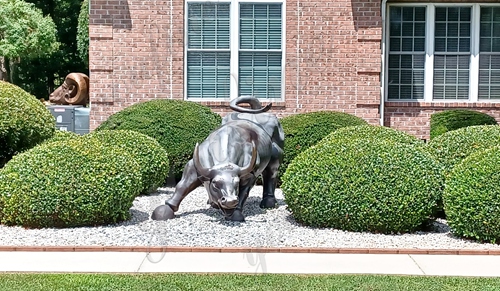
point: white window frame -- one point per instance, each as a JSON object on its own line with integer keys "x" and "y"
{"x": 429, "y": 52}
{"x": 235, "y": 48}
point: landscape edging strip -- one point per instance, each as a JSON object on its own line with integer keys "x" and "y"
{"x": 171, "y": 249}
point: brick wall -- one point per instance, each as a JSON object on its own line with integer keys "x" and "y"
{"x": 414, "y": 117}
{"x": 135, "y": 53}
{"x": 332, "y": 61}
{"x": 332, "y": 56}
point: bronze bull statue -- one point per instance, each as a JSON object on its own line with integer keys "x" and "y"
{"x": 74, "y": 91}
{"x": 249, "y": 143}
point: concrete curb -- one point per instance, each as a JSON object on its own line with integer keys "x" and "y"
{"x": 172, "y": 249}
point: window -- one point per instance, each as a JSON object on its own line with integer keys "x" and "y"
{"x": 489, "y": 53}
{"x": 234, "y": 48}
{"x": 452, "y": 52}
{"x": 442, "y": 52}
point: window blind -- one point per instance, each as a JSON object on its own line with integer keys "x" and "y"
{"x": 208, "y": 56}
{"x": 260, "y": 50}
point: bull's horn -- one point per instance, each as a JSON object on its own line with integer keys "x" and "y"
{"x": 202, "y": 171}
{"x": 80, "y": 94}
{"x": 251, "y": 165}
{"x": 255, "y": 105}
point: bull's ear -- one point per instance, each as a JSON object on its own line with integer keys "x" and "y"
{"x": 203, "y": 178}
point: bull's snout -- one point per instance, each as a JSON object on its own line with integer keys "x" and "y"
{"x": 228, "y": 202}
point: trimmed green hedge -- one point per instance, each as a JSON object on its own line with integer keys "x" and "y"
{"x": 373, "y": 132}
{"x": 61, "y": 135}
{"x": 24, "y": 121}
{"x": 306, "y": 129}
{"x": 363, "y": 185}
{"x": 176, "y": 124}
{"x": 472, "y": 197}
{"x": 79, "y": 182}
{"x": 453, "y": 147}
{"x": 449, "y": 120}
{"x": 146, "y": 151}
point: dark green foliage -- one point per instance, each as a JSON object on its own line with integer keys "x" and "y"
{"x": 25, "y": 32}
{"x": 449, "y": 120}
{"x": 306, "y": 129}
{"x": 374, "y": 133}
{"x": 79, "y": 182}
{"x": 24, "y": 121}
{"x": 41, "y": 75}
{"x": 451, "y": 148}
{"x": 83, "y": 32}
{"x": 472, "y": 196}
{"x": 146, "y": 151}
{"x": 177, "y": 125}
{"x": 363, "y": 185}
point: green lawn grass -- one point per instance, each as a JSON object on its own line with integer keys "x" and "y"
{"x": 173, "y": 282}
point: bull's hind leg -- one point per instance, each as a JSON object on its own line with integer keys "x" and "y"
{"x": 188, "y": 183}
{"x": 270, "y": 179}
{"x": 269, "y": 184}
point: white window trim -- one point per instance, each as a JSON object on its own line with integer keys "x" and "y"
{"x": 474, "y": 58}
{"x": 234, "y": 48}
{"x": 429, "y": 53}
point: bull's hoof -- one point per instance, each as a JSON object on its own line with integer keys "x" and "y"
{"x": 237, "y": 215}
{"x": 268, "y": 202}
{"x": 163, "y": 212}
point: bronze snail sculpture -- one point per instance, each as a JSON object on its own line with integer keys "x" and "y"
{"x": 74, "y": 91}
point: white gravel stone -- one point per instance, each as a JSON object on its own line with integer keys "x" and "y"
{"x": 197, "y": 224}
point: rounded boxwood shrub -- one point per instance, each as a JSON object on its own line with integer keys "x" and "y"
{"x": 363, "y": 185}
{"x": 68, "y": 183}
{"x": 453, "y": 147}
{"x": 147, "y": 152}
{"x": 24, "y": 121}
{"x": 374, "y": 132}
{"x": 176, "y": 124}
{"x": 449, "y": 120}
{"x": 62, "y": 135}
{"x": 306, "y": 129}
{"x": 472, "y": 196}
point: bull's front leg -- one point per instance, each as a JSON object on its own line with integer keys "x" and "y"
{"x": 188, "y": 183}
{"x": 245, "y": 186}
{"x": 270, "y": 179}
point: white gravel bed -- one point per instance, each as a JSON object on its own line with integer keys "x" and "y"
{"x": 198, "y": 225}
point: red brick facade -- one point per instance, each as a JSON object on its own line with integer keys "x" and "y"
{"x": 414, "y": 117}
{"x": 333, "y": 60}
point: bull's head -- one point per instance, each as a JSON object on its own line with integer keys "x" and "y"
{"x": 224, "y": 179}
{"x": 74, "y": 90}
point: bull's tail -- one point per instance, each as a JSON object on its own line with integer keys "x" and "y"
{"x": 255, "y": 105}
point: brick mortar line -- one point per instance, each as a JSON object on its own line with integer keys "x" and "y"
{"x": 248, "y": 250}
